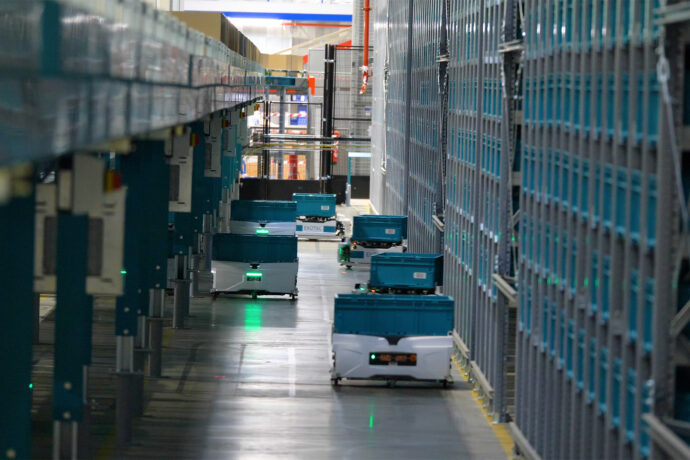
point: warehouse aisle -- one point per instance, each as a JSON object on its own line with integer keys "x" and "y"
{"x": 253, "y": 382}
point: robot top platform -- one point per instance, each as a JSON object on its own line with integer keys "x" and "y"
{"x": 233, "y": 247}
{"x": 263, "y": 211}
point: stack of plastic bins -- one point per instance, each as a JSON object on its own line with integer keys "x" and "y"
{"x": 258, "y": 217}
{"x": 371, "y": 235}
{"x": 254, "y": 264}
{"x": 589, "y": 256}
{"x": 406, "y": 273}
{"x": 392, "y": 337}
{"x": 316, "y": 216}
{"x": 425, "y": 158}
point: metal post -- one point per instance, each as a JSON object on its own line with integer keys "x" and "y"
{"x": 124, "y": 391}
{"x": 281, "y": 126}
{"x": 207, "y": 240}
{"x": 37, "y": 318}
{"x": 72, "y": 330}
{"x": 16, "y": 286}
{"x": 156, "y": 309}
{"x": 348, "y": 187}
{"x": 181, "y": 292}
{"x": 327, "y": 116}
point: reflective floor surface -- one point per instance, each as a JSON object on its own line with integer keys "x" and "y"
{"x": 250, "y": 379}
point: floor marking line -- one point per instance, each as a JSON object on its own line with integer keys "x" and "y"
{"x": 291, "y": 371}
{"x": 500, "y": 430}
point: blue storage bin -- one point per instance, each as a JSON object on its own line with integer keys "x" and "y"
{"x": 648, "y": 317}
{"x": 314, "y": 205}
{"x": 263, "y": 211}
{"x": 406, "y": 271}
{"x": 632, "y": 304}
{"x": 581, "y": 350}
{"x": 603, "y": 375}
{"x": 651, "y": 211}
{"x": 605, "y": 288}
{"x": 630, "y": 392}
{"x": 233, "y": 247}
{"x": 570, "y": 349}
{"x": 393, "y": 315}
{"x": 616, "y": 392}
{"x": 591, "y": 387}
{"x": 375, "y": 228}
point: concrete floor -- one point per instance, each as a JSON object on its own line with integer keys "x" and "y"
{"x": 250, "y": 379}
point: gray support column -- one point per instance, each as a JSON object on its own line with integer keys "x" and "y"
{"x": 156, "y": 310}
{"x": 181, "y": 292}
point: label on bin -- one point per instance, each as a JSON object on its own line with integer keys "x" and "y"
{"x": 419, "y": 275}
{"x": 325, "y": 207}
{"x": 390, "y": 231}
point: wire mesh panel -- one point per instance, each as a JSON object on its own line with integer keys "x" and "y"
{"x": 378, "y": 109}
{"x": 425, "y": 159}
{"x": 573, "y": 112}
{"x": 396, "y": 166}
{"x": 475, "y": 195}
{"x": 589, "y": 218}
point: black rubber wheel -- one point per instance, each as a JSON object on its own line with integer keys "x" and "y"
{"x": 215, "y": 295}
{"x": 254, "y": 295}
{"x": 349, "y": 267}
{"x": 335, "y": 382}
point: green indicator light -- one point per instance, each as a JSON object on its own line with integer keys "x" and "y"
{"x": 262, "y": 231}
{"x": 586, "y": 282}
{"x": 123, "y": 272}
{"x": 253, "y": 274}
{"x": 371, "y": 422}
{"x": 373, "y": 356}
{"x": 31, "y": 385}
{"x": 513, "y": 239}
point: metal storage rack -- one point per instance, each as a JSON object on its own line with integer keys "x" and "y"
{"x": 425, "y": 155}
{"x": 397, "y": 109}
{"x": 379, "y": 85}
{"x": 557, "y": 121}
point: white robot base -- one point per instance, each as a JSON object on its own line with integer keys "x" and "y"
{"x": 256, "y": 278}
{"x": 424, "y": 358}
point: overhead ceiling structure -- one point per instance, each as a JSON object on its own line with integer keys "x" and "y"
{"x": 284, "y": 26}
